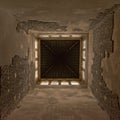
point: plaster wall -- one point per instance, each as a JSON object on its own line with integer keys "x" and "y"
{"x": 111, "y": 65}
{"x": 16, "y": 64}
{"x": 12, "y": 42}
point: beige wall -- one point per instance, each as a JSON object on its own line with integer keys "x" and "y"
{"x": 11, "y": 42}
{"x": 111, "y": 65}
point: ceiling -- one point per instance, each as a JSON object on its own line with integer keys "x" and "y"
{"x": 73, "y": 13}
{"x": 60, "y": 58}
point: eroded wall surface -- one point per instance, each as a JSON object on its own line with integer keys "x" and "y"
{"x": 106, "y": 62}
{"x": 16, "y": 64}
{"x": 11, "y": 41}
{"x": 40, "y": 26}
{"x": 111, "y": 66}
{"x": 16, "y": 80}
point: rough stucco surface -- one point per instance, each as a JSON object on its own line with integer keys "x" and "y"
{"x": 11, "y": 42}
{"x": 72, "y": 13}
{"x": 40, "y": 26}
{"x": 14, "y": 77}
{"x": 102, "y": 47}
{"x": 16, "y": 80}
{"x": 111, "y": 65}
{"x": 59, "y": 104}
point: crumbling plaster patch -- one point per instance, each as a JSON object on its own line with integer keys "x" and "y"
{"x": 40, "y": 26}
{"x": 103, "y": 47}
{"x": 16, "y": 80}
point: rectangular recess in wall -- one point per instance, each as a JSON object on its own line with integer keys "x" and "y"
{"x": 52, "y": 62}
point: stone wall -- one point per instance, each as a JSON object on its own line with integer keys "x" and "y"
{"x": 103, "y": 47}
{"x": 16, "y": 80}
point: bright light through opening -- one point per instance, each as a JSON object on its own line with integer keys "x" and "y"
{"x": 36, "y": 64}
{"x": 55, "y": 35}
{"x": 36, "y": 44}
{"x": 36, "y": 74}
{"x": 65, "y": 35}
{"x": 60, "y": 35}
{"x": 74, "y": 83}
{"x": 84, "y": 55}
{"x": 83, "y": 64}
{"x": 36, "y": 54}
{"x": 54, "y": 83}
{"x": 44, "y": 83}
{"x": 64, "y": 83}
{"x": 76, "y": 36}
{"x": 84, "y": 44}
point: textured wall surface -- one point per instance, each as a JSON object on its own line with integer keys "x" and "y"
{"x": 16, "y": 81}
{"x": 40, "y": 25}
{"x": 11, "y": 42}
{"x": 111, "y": 66}
{"x": 103, "y": 47}
{"x": 90, "y": 57}
{"x": 16, "y": 75}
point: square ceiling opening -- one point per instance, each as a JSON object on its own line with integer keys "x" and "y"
{"x": 60, "y": 58}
